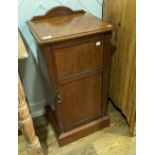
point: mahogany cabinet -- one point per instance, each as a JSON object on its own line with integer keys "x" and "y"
{"x": 77, "y": 50}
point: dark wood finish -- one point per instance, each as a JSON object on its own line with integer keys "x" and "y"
{"x": 84, "y": 130}
{"x": 81, "y": 101}
{"x": 78, "y": 62}
{"x": 67, "y": 27}
{"x": 81, "y": 52}
{"x": 80, "y": 76}
{"x": 79, "y": 132}
{"x": 59, "y": 11}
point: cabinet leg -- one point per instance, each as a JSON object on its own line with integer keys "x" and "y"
{"x": 26, "y": 124}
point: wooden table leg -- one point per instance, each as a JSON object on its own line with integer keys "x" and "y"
{"x": 26, "y": 124}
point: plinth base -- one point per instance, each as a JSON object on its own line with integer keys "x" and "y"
{"x": 79, "y": 132}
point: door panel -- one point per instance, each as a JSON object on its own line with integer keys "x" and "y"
{"x": 80, "y": 58}
{"x": 81, "y": 101}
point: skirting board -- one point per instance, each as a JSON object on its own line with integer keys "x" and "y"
{"x": 38, "y": 109}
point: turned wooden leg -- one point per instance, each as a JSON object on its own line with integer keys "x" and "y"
{"x": 26, "y": 124}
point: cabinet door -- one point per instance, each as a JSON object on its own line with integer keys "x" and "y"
{"x": 79, "y": 58}
{"x": 81, "y": 101}
{"x": 80, "y": 77}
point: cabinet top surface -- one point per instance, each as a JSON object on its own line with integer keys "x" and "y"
{"x": 48, "y": 30}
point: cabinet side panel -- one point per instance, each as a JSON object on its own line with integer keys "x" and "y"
{"x": 52, "y": 72}
{"x": 106, "y": 72}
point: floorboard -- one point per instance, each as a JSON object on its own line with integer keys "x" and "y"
{"x": 114, "y": 140}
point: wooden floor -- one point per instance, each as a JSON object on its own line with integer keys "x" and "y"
{"x": 114, "y": 140}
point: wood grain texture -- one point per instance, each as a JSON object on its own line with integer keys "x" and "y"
{"x": 58, "y": 11}
{"x": 78, "y": 96}
{"x": 82, "y": 53}
{"x": 22, "y": 52}
{"x": 84, "y": 130}
{"x": 122, "y": 14}
{"x": 26, "y": 124}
